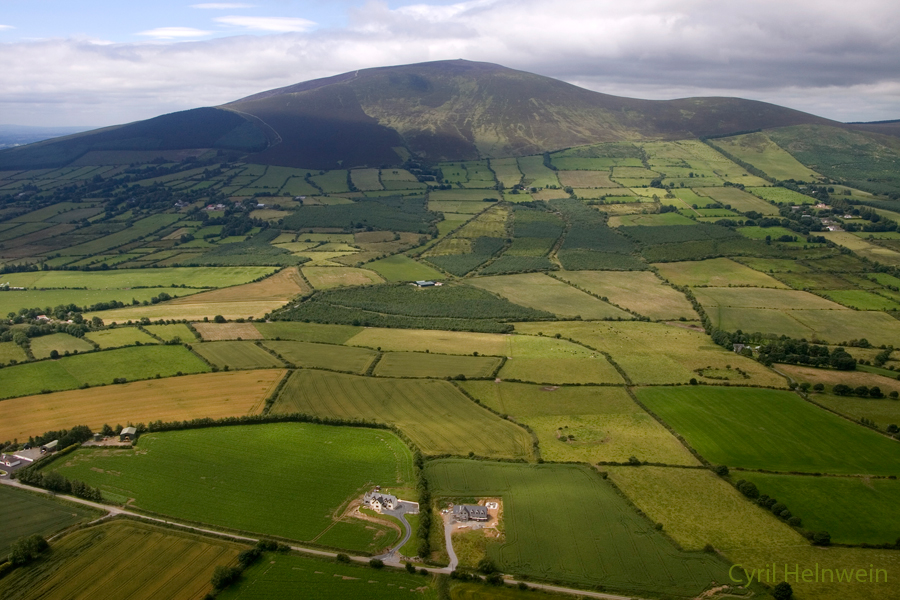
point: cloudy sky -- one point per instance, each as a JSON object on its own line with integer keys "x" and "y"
{"x": 101, "y": 62}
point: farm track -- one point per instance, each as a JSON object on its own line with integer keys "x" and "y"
{"x": 113, "y": 511}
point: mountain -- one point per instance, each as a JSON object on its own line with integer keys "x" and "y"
{"x": 444, "y": 110}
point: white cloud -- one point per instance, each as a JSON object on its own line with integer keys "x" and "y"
{"x": 221, "y": 5}
{"x": 170, "y": 33}
{"x": 2, "y": 27}
{"x": 276, "y": 24}
{"x": 810, "y": 55}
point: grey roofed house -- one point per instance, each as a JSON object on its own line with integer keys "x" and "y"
{"x": 470, "y": 512}
{"x": 378, "y": 501}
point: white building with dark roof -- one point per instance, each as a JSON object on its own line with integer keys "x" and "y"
{"x": 470, "y": 512}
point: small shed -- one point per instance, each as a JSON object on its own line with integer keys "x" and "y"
{"x": 128, "y": 434}
{"x": 98, "y": 437}
{"x": 50, "y": 446}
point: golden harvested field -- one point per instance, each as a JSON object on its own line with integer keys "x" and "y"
{"x": 640, "y": 291}
{"x": 715, "y": 272}
{"x": 123, "y": 559}
{"x": 708, "y": 510}
{"x": 655, "y": 353}
{"x": 324, "y": 278}
{"x": 586, "y": 179}
{"x": 605, "y": 422}
{"x": 213, "y": 395}
{"x": 240, "y": 301}
{"x": 216, "y": 332}
{"x": 441, "y": 342}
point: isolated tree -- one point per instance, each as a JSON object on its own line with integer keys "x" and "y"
{"x": 783, "y": 591}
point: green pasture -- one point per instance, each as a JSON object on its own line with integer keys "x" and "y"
{"x": 172, "y": 331}
{"x": 98, "y": 368}
{"x": 123, "y": 336}
{"x": 11, "y": 351}
{"x": 323, "y": 356}
{"x": 402, "y": 268}
{"x": 176, "y": 473}
{"x": 436, "y": 416}
{"x": 715, "y": 272}
{"x": 604, "y": 422}
{"x": 541, "y": 359}
{"x": 882, "y": 412}
{"x": 853, "y": 510}
{"x": 236, "y": 355}
{"x": 760, "y": 151}
{"x": 195, "y": 277}
{"x": 770, "y": 429}
{"x": 418, "y": 364}
{"x": 332, "y": 182}
{"x": 63, "y": 343}
{"x": 307, "y": 332}
{"x": 564, "y": 523}
{"x": 860, "y": 299}
{"x": 12, "y": 302}
{"x": 696, "y": 508}
{"x": 535, "y": 174}
{"x": 781, "y": 195}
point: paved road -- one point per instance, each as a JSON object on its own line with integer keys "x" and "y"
{"x": 390, "y": 559}
{"x": 448, "y": 532}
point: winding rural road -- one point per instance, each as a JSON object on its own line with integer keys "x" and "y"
{"x": 390, "y": 558}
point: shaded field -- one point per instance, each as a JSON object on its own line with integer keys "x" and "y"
{"x": 696, "y": 508}
{"x": 564, "y": 523}
{"x": 435, "y": 415}
{"x": 543, "y": 292}
{"x": 26, "y": 513}
{"x": 298, "y": 576}
{"x": 307, "y": 332}
{"x": 240, "y": 301}
{"x": 213, "y": 395}
{"x": 14, "y": 301}
{"x": 99, "y": 368}
{"x": 236, "y": 355}
{"x": 136, "y": 560}
{"x": 770, "y": 429}
{"x": 852, "y": 510}
{"x": 882, "y": 412}
{"x": 657, "y": 353}
{"x": 417, "y": 364}
{"x": 715, "y": 272}
{"x": 641, "y": 292}
{"x": 175, "y": 473}
{"x": 604, "y": 422}
{"x": 323, "y": 356}
{"x": 198, "y": 277}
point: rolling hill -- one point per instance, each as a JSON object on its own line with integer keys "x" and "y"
{"x": 445, "y": 110}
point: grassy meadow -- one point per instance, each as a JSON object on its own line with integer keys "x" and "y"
{"x": 27, "y": 513}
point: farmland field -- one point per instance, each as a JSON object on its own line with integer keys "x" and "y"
{"x": 715, "y": 272}
{"x": 542, "y": 292}
{"x": 882, "y": 412}
{"x": 769, "y": 429}
{"x": 124, "y": 336}
{"x": 200, "y": 277}
{"x": 708, "y": 510}
{"x": 403, "y": 268}
{"x": 853, "y": 510}
{"x": 14, "y": 301}
{"x": 325, "y": 278}
{"x": 830, "y": 377}
{"x": 605, "y": 423}
{"x": 781, "y": 195}
{"x": 564, "y": 523}
{"x": 764, "y": 154}
{"x": 298, "y": 576}
{"x": 240, "y": 301}
{"x": 236, "y": 355}
{"x": 213, "y": 395}
{"x": 307, "y": 332}
{"x": 136, "y": 560}
{"x": 98, "y": 368}
{"x": 652, "y": 353}
{"x": 418, "y": 364}
{"x": 434, "y": 414}
{"x": 740, "y": 200}
{"x": 421, "y": 340}
{"x": 323, "y": 356}
{"x": 174, "y": 473}
{"x": 172, "y": 331}
{"x": 216, "y": 332}
{"x": 63, "y": 343}
{"x": 541, "y": 359}
{"x": 26, "y": 513}
{"x": 641, "y": 292}
{"x": 11, "y": 351}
